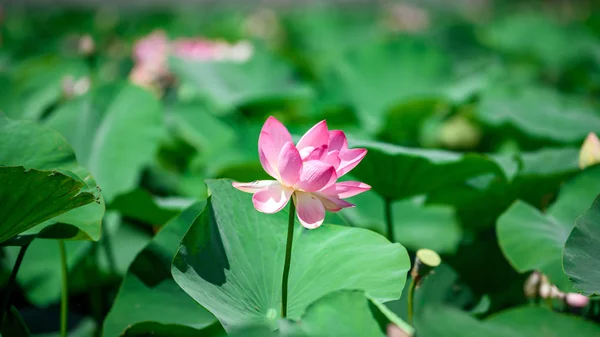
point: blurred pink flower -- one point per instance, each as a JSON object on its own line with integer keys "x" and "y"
{"x": 151, "y": 54}
{"x": 196, "y": 49}
{"x": 152, "y": 51}
{"x": 577, "y": 300}
{"x": 306, "y": 172}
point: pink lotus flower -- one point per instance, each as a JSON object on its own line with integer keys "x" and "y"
{"x": 306, "y": 172}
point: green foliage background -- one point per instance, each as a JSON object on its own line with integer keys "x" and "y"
{"x": 473, "y": 117}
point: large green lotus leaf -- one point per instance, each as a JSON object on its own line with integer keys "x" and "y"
{"x": 581, "y": 256}
{"x": 38, "y": 165}
{"x": 536, "y": 176}
{"x": 397, "y": 172}
{"x": 37, "y": 84}
{"x": 478, "y": 201}
{"x": 517, "y": 322}
{"x": 539, "y": 112}
{"x": 532, "y": 240}
{"x": 148, "y": 285}
{"x": 142, "y": 206}
{"x": 550, "y": 162}
{"x": 321, "y": 32}
{"x": 355, "y": 315}
{"x": 195, "y": 123}
{"x": 32, "y": 197}
{"x": 117, "y": 126}
{"x": 512, "y": 34}
{"x": 379, "y": 76}
{"x": 543, "y": 172}
{"x": 232, "y": 84}
{"x": 536, "y": 321}
{"x": 441, "y": 321}
{"x": 231, "y": 261}
{"x": 416, "y": 225}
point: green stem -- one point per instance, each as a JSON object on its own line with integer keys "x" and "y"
{"x": 11, "y": 281}
{"x": 64, "y": 300}
{"x": 288, "y": 258}
{"x": 411, "y": 295}
{"x": 388, "y": 220}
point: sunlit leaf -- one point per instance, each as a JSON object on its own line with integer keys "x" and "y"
{"x": 231, "y": 261}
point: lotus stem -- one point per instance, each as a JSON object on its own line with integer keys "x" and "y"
{"x": 411, "y": 295}
{"x": 426, "y": 260}
{"x": 11, "y": 281}
{"x": 64, "y": 300}
{"x": 288, "y": 258}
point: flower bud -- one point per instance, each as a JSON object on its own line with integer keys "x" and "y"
{"x": 425, "y": 261}
{"x": 86, "y": 45}
{"x": 577, "y": 300}
{"x": 532, "y": 284}
{"x": 590, "y": 151}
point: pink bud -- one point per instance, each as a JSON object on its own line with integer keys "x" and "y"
{"x": 577, "y": 300}
{"x": 394, "y": 331}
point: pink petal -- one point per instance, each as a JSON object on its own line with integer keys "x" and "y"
{"x": 332, "y": 158}
{"x": 347, "y": 189}
{"x": 337, "y": 140}
{"x": 316, "y": 175}
{"x": 333, "y": 203}
{"x": 310, "y": 210}
{"x": 577, "y": 300}
{"x": 254, "y": 186}
{"x": 316, "y": 137}
{"x": 349, "y": 160}
{"x": 270, "y": 142}
{"x": 315, "y": 153}
{"x": 290, "y": 164}
{"x": 272, "y": 198}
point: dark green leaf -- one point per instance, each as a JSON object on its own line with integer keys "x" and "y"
{"x": 397, "y": 172}
{"x": 539, "y": 112}
{"x": 355, "y": 315}
{"x": 230, "y": 84}
{"x": 114, "y": 127}
{"x": 581, "y": 257}
{"x": 32, "y": 197}
{"x": 532, "y": 240}
{"x": 378, "y": 76}
{"x": 416, "y": 225}
{"x": 517, "y": 322}
{"x": 13, "y": 325}
{"x": 142, "y": 206}
{"x": 38, "y": 165}
{"x": 148, "y": 284}
{"x": 194, "y": 123}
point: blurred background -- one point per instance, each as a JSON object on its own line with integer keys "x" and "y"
{"x": 503, "y": 77}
